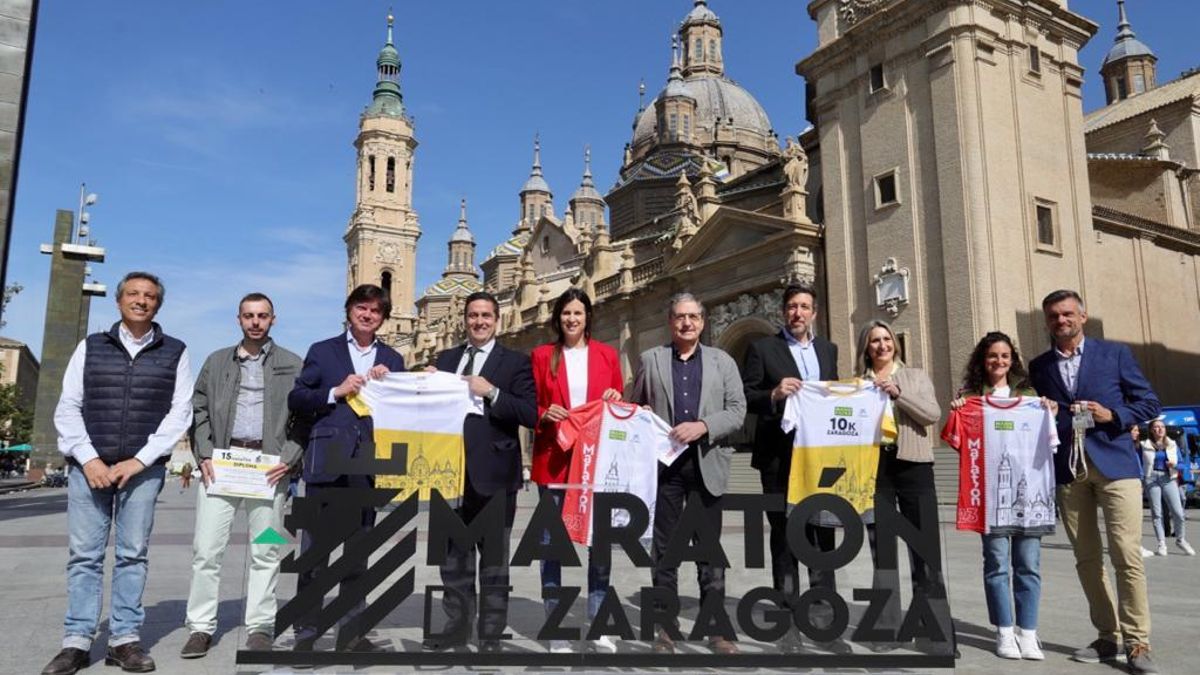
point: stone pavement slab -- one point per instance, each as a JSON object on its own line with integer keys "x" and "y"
{"x": 33, "y": 552}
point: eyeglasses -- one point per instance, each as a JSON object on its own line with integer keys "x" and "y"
{"x": 679, "y": 318}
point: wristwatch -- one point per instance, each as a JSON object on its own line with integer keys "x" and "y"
{"x": 492, "y": 394}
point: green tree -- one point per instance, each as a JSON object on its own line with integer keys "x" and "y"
{"x": 9, "y": 291}
{"x": 16, "y": 423}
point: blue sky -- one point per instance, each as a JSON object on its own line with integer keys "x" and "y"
{"x": 218, "y": 134}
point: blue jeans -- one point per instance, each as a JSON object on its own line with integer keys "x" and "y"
{"x": 1026, "y": 588}
{"x": 90, "y": 515}
{"x": 1158, "y": 486}
{"x": 597, "y": 576}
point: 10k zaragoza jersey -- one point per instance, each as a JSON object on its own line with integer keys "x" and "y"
{"x": 616, "y": 447}
{"x": 1006, "y": 452}
{"x": 420, "y": 414}
{"x": 838, "y": 426}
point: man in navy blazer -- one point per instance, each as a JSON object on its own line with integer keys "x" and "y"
{"x": 333, "y": 369}
{"x": 1090, "y": 375}
{"x": 501, "y": 381}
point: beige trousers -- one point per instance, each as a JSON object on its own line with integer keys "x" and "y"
{"x": 1121, "y": 503}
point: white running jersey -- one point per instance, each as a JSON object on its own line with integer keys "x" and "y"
{"x": 616, "y": 447}
{"x": 1006, "y": 452}
{"x": 420, "y": 414}
{"x": 838, "y": 426}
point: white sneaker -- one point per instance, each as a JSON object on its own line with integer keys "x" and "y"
{"x": 1006, "y": 645}
{"x": 1147, "y": 553}
{"x": 605, "y": 644}
{"x": 560, "y": 647}
{"x": 1162, "y": 548}
{"x": 1029, "y": 644}
{"x": 1185, "y": 547}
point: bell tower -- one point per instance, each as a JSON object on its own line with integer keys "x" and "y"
{"x": 381, "y": 238}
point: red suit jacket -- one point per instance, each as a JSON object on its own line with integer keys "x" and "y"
{"x": 550, "y": 462}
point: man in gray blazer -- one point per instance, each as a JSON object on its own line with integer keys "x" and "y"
{"x": 699, "y": 391}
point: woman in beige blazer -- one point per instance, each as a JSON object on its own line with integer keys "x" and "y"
{"x": 905, "y": 476}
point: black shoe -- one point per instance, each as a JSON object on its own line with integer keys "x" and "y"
{"x": 67, "y": 662}
{"x": 439, "y": 644}
{"x": 196, "y": 646}
{"x": 489, "y": 646}
{"x": 835, "y": 646}
{"x": 130, "y": 657}
{"x": 1098, "y": 651}
{"x": 259, "y": 642}
{"x": 362, "y": 644}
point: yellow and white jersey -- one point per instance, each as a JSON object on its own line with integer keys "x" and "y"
{"x": 838, "y": 425}
{"x": 422, "y": 414}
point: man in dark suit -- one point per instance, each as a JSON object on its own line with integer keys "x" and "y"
{"x": 774, "y": 368}
{"x": 334, "y": 369}
{"x": 501, "y": 381}
{"x": 1100, "y": 380}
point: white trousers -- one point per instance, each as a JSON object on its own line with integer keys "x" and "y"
{"x": 214, "y": 520}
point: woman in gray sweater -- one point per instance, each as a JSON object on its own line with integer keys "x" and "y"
{"x": 905, "y": 476}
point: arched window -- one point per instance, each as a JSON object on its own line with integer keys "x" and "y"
{"x": 687, "y": 126}
{"x": 385, "y": 282}
{"x": 699, "y": 55}
{"x": 712, "y": 51}
{"x": 371, "y": 172}
{"x": 391, "y": 174}
{"x": 543, "y": 211}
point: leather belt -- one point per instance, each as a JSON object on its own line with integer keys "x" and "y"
{"x": 246, "y": 443}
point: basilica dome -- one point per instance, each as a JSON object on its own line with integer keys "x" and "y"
{"x": 717, "y": 98}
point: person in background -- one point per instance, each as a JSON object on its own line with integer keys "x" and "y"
{"x": 571, "y": 371}
{"x": 995, "y": 369}
{"x": 1160, "y": 457}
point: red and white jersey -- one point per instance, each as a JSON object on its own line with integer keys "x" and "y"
{"x": 616, "y": 448}
{"x": 1006, "y": 452}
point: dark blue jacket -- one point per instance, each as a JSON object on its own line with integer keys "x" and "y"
{"x": 125, "y": 399}
{"x": 336, "y": 429}
{"x": 493, "y": 447}
{"x": 1110, "y": 376}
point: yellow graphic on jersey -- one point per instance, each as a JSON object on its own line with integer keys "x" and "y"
{"x": 856, "y": 485}
{"x": 434, "y": 461}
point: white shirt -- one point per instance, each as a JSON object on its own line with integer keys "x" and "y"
{"x": 481, "y": 354}
{"x": 361, "y": 359}
{"x": 804, "y": 355}
{"x": 1068, "y": 366}
{"x": 1003, "y": 391}
{"x": 577, "y": 374}
{"x": 73, "y": 440}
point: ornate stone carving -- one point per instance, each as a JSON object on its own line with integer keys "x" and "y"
{"x": 388, "y": 252}
{"x": 800, "y": 267}
{"x": 853, "y": 11}
{"x": 795, "y": 168}
{"x": 891, "y": 287}
{"x": 765, "y": 306}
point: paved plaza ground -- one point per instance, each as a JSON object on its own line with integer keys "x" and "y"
{"x": 33, "y": 553}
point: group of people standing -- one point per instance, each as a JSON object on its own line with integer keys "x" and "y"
{"x": 128, "y": 397}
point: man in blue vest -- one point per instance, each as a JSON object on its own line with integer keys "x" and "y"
{"x": 126, "y": 400}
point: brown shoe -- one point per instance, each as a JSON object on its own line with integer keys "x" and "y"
{"x": 720, "y": 645}
{"x": 259, "y": 642}
{"x": 67, "y": 662}
{"x": 196, "y": 646}
{"x": 664, "y": 644}
{"x": 130, "y": 657}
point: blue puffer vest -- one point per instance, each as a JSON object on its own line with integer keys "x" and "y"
{"x": 124, "y": 399}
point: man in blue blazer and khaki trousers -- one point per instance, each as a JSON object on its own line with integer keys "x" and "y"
{"x": 334, "y": 369}
{"x": 1090, "y": 376}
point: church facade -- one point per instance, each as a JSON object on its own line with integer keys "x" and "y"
{"x": 949, "y": 181}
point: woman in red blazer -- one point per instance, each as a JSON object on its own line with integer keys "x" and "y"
{"x": 569, "y": 372}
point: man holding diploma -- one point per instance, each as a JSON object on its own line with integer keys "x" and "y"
{"x": 240, "y": 438}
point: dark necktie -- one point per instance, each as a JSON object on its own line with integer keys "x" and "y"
{"x": 469, "y": 369}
